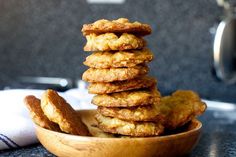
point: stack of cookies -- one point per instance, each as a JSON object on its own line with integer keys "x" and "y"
{"x": 126, "y": 97}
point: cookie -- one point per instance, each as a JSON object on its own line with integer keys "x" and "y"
{"x": 60, "y": 112}
{"x": 118, "y": 86}
{"x": 149, "y": 112}
{"x": 138, "y": 113}
{"x": 127, "y": 98}
{"x": 119, "y": 59}
{"x": 121, "y": 25}
{"x": 111, "y": 41}
{"x": 114, "y": 74}
{"x": 181, "y": 107}
{"x": 118, "y": 126}
{"x": 37, "y": 115}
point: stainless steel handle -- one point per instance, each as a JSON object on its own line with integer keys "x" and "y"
{"x": 224, "y": 50}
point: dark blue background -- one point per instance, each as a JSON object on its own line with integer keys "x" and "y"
{"x": 43, "y": 38}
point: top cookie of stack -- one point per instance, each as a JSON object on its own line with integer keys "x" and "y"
{"x": 120, "y": 34}
{"x": 126, "y": 96}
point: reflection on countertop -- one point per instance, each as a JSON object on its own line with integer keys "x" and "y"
{"x": 219, "y": 131}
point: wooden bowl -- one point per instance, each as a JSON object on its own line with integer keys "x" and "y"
{"x": 62, "y": 144}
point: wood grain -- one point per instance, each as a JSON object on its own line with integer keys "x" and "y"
{"x": 62, "y": 144}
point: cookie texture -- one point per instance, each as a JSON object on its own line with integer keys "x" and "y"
{"x": 119, "y": 86}
{"x": 114, "y": 74}
{"x": 121, "y": 25}
{"x": 37, "y": 115}
{"x": 111, "y": 41}
{"x": 118, "y": 126}
{"x": 118, "y": 59}
{"x": 181, "y": 107}
{"x": 138, "y": 113}
{"x": 131, "y": 98}
{"x": 60, "y": 112}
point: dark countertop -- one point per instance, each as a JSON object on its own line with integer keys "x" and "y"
{"x": 218, "y": 137}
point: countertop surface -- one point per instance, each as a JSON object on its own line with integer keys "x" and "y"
{"x": 218, "y": 137}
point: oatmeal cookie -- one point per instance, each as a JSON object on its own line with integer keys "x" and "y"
{"x": 118, "y": 86}
{"x": 131, "y": 98}
{"x": 118, "y": 59}
{"x": 111, "y": 41}
{"x": 181, "y": 107}
{"x": 114, "y": 74}
{"x": 60, "y": 112}
{"x": 37, "y": 115}
{"x": 118, "y": 126}
{"x": 121, "y": 25}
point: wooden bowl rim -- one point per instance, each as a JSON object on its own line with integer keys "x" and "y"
{"x": 161, "y": 138}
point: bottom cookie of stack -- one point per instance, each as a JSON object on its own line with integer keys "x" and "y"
{"x": 118, "y": 126}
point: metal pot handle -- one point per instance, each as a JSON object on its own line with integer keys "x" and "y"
{"x": 224, "y": 50}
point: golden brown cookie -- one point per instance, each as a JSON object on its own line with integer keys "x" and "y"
{"x": 114, "y": 74}
{"x": 131, "y": 98}
{"x": 118, "y": 86}
{"x": 138, "y": 113}
{"x": 37, "y": 115}
{"x": 60, "y": 112}
{"x": 181, "y": 107}
{"x": 118, "y": 126}
{"x": 119, "y": 59}
{"x": 111, "y": 41}
{"x": 121, "y": 25}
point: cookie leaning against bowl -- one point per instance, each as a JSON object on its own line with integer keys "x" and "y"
{"x": 117, "y": 126}
{"x": 60, "y": 112}
{"x": 131, "y": 98}
{"x": 114, "y": 74}
{"x": 37, "y": 115}
{"x": 118, "y": 59}
{"x": 119, "y": 86}
{"x": 181, "y": 107}
{"x": 111, "y": 41}
{"x": 120, "y": 25}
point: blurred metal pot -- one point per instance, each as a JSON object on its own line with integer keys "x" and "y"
{"x": 224, "y": 48}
